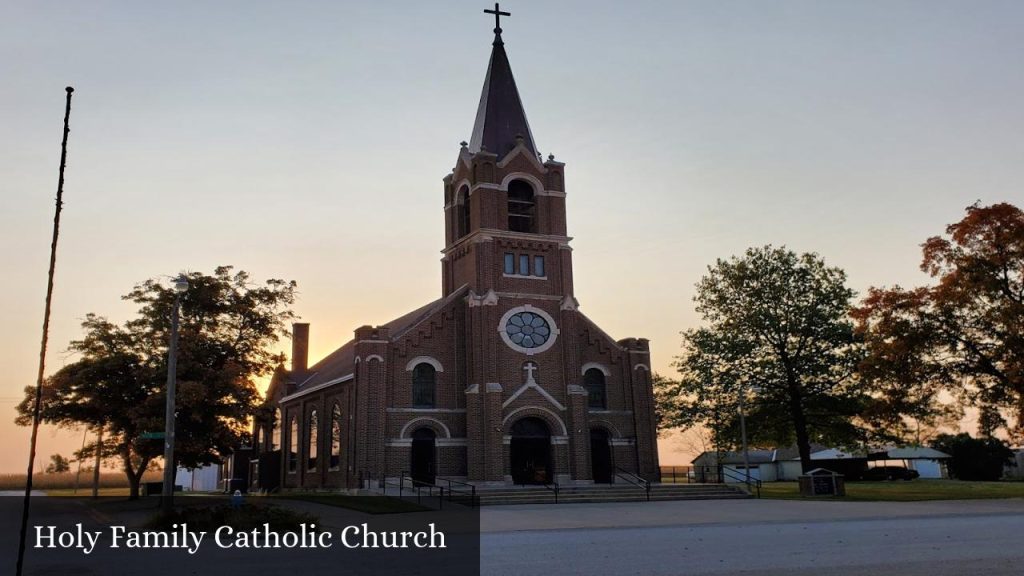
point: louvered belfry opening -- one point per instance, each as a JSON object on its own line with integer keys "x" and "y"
{"x": 522, "y": 209}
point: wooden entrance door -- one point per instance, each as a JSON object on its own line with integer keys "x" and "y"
{"x": 530, "y": 452}
{"x": 600, "y": 456}
{"x": 423, "y": 465}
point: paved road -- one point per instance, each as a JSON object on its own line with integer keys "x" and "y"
{"x": 692, "y": 538}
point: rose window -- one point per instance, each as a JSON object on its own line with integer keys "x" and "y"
{"x": 527, "y": 329}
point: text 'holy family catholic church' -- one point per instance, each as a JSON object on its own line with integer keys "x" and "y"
{"x": 501, "y": 380}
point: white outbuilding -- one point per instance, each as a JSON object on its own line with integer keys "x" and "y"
{"x": 202, "y": 479}
{"x": 929, "y": 462}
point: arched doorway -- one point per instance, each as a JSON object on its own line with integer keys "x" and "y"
{"x": 600, "y": 456}
{"x": 423, "y": 464}
{"x": 530, "y": 452}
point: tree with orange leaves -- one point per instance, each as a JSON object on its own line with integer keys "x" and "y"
{"x": 964, "y": 334}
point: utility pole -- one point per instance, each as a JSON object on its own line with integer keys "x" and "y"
{"x": 96, "y": 467}
{"x": 37, "y": 406}
{"x": 167, "y": 492}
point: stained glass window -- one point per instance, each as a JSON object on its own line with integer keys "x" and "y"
{"x": 527, "y": 329}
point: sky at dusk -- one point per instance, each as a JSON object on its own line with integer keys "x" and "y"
{"x": 308, "y": 140}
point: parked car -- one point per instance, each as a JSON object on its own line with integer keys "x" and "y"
{"x": 890, "y": 473}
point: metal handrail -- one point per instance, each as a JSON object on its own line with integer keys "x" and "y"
{"x": 384, "y": 483}
{"x": 366, "y": 479}
{"x": 553, "y": 486}
{"x": 678, "y": 474}
{"x": 635, "y": 480}
{"x": 745, "y": 478}
{"x": 452, "y": 490}
{"x": 418, "y": 486}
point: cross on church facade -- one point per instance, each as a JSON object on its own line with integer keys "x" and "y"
{"x": 497, "y": 17}
{"x": 530, "y": 368}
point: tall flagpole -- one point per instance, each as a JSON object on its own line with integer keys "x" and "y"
{"x": 46, "y": 333}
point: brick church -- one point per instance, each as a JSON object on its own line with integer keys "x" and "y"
{"x": 502, "y": 380}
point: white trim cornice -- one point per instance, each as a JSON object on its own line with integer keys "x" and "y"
{"x": 535, "y": 386}
{"x": 424, "y": 360}
{"x": 410, "y": 423}
{"x": 604, "y": 369}
{"x": 311, "y": 389}
{"x": 491, "y": 233}
{"x": 555, "y": 417}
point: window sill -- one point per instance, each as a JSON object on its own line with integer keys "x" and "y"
{"x": 525, "y": 276}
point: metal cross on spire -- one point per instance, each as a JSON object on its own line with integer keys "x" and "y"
{"x": 497, "y": 17}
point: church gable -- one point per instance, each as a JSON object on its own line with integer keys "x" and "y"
{"x": 597, "y": 340}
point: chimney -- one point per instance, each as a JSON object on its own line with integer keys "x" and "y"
{"x": 300, "y": 346}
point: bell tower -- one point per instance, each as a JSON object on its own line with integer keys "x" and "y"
{"x": 505, "y": 227}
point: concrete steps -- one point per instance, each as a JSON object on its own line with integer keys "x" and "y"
{"x": 607, "y": 493}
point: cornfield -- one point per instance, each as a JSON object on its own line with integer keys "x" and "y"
{"x": 66, "y": 480}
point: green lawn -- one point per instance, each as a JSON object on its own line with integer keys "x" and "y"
{"x": 368, "y": 504}
{"x": 901, "y": 491}
{"x": 86, "y": 492}
{"x": 247, "y": 516}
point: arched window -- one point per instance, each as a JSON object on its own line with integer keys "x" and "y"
{"x": 311, "y": 433}
{"x": 462, "y": 212}
{"x": 335, "y": 437}
{"x": 424, "y": 381}
{"x": 275, "y": 432}
{"x": 293, "y": 446}
{"x": 521, "y": 207}
{"x": 593, "y": 381}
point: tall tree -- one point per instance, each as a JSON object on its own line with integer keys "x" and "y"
{"x": 900, "y": 368}
{"x": 777, "y": 331}
{"x": 228, "y": 326}
{"x": 966, "y": 331}
{"x": 975, "y": 458}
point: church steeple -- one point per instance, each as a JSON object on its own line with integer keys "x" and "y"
{"x": 500, "y": 117}
{"x": 505, "y": 227}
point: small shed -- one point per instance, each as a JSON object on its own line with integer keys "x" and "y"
{"x": 822, "y": 482}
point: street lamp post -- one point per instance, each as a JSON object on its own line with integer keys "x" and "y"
{"x": 743, "y": 428}
{"x": 167, "y": 493}
{"x": 743, "y": 434}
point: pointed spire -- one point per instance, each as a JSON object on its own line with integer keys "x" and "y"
{"x": 500, "y": 117}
